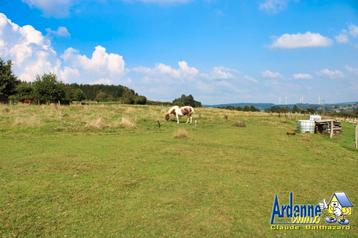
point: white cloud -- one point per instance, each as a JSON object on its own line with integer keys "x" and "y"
{"x": 32, "y": 54}
{"x": 30, "y": 51}
{"x": 60, "y": 32}
{"x": 268, "y": 74}
{"x": 273, "y": 6}
{"x": 56, "y": 8}
{"x": 102, "y": 66}
{"x": 308, "y": 39}
{"x": 184, "y": 71}
{"x": 353, "y": 30}
{"x": 331, "y": 73}
{"x": 220, "y": 73}
{"x": 347, "y": 34}
{"x": 352, "y": 70}
{"x": 342, "y": 38}
{"x": 302, "y": 76}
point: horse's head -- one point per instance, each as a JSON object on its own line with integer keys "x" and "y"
{"x": 167, "y": 116}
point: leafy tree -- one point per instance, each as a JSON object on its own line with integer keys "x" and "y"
{"x": 79, "y": 95}
{"x": 186, "y": 100}
{"x": 140, "y": 100}
{"x": 25, "y": 91}
{"x": 103, "y": 96}
{"x": 74, "y": 94}
{"x": 8, "y": 80}
{"x": 48, "y": 89}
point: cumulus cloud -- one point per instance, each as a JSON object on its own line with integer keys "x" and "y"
{"x": 100, "y": 67}
{"x": 299, "y": 40}
{"x": 183, "y": 71}
{"x": 302, "y": 76}
{"x": 32, "y": 54}
{"x": 268, "y": 74}
{"x": 30, "y": 51}
{"x": 331, "y": 73}
{"x": 60, "y": 32}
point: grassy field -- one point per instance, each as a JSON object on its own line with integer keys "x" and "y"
{"x": 110, "y": 171}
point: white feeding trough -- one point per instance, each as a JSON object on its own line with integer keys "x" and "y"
{"x": 306, "y": 126}
{"x": 315, "y": 118}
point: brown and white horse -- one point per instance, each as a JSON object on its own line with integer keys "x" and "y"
{"x": 179, "y": 112}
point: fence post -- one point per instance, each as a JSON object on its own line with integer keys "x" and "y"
{"x": 332, "y": 125}
{"x": 357, "y": 136}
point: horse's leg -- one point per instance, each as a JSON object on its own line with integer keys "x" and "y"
{"x": 187, "y": 120}
{"x": 177, "y": 118}
{"x": 191, "y": 119}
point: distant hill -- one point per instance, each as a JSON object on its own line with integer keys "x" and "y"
{"x": 264, "y": 106}
{"x": 261, "y": 106}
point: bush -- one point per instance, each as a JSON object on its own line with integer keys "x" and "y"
{"x": 48, "y": 89}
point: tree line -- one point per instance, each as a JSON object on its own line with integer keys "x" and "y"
{"x": 48, "y": 89}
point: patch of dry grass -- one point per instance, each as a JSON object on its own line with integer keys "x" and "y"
{"x": 181, "y": 133}
{"x": 96, "y": 124}
{"x": 31, "y": 122}
{"x": 126, "y": 123}
{"x": 240, "y": 124}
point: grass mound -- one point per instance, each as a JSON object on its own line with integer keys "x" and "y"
{"x": 31, "y": 122}
{"x": 181, "y": 133}
{"x": 96, "y": 124}
{"x": 126, "y": 123}
{"x": 240, "y": 124}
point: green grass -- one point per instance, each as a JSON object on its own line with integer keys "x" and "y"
{"x": 62, "y": 177}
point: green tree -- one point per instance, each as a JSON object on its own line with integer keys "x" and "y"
{"x": 79, "y": 95}
{"x": 8, "y": 81}
{"x": 103, "y": 96}
{"x": 186, "y": 100}
{"x": 48, "y": 89}
{"x": 140, "y": 100}
{"x": 25, "y": 91}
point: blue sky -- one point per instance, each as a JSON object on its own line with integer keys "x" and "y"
{"x": 218, "y": 50}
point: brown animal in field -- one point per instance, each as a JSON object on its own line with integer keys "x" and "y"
{"x": 179, "y": 112}
{"x": 26, "y": 101}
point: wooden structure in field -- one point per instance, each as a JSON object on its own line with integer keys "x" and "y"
{"x": 329, "y": 126}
